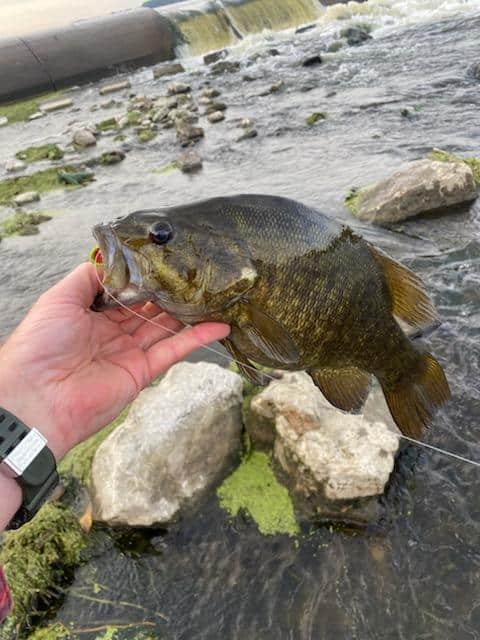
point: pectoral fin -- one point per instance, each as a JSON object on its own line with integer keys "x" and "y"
{"x": 346, "y": 388}
{"x": 246, "y": 368}
{"x": 268, "y": 335}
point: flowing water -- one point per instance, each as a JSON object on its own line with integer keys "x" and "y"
{"x": 416, "y": 575}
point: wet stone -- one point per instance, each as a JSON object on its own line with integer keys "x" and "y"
{"x": 14, "y": 165}
{"x": 189, "y": 162}
{"x": 3, "y": 121}
{"x": 216, "y": 116}
{"x": 188, "y": 134}
{"x": 247, "y": 134}
{"x": 36, "y": 115}
{"x": 474, "y": 71}
{"x": 356, "y": 35}
{"x": 312, "y": 61}
{"x": 225, "y": 66}
{"x": 246, "y": 123}
{"x": 215, "y": 56}
{"x": 203, "y": 100}
{"x": 112, "y": 157}
{"x": 84, "y": 138}
{"x": 116, "y": 86}
{"x": 307, "y": 27}
{"x": 215, "y": 106}
{"x": 210, "y": 92}
{"x": 168, "y": 69}
{"x": 56, "y": 105}
{"x": 26, "y": 198}
{"x": 177, "y": 88}
{"x": 107, "y": 104}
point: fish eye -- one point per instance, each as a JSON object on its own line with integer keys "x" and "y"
{"x": 160, "y": 232}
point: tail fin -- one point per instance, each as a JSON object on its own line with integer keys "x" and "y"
{"x": 414, "y": 400}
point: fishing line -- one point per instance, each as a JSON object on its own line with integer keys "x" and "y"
{"x": 231, "y": 359}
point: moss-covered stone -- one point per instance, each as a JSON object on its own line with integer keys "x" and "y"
{"x": 107, "y": 125}
{"x": 38, "y": 559}
{"x": 168, "y": 167}
{"x": 78, "y": 462}
{"x": 21, "y": 110}
{"x": 443, "y": 156}
{"x": 22, "y": 224}
{"x": 41, "y": 181}
{"x": 146, "y": 135}
{"x": 134, "y": 117}
{"x": 316, "y": 116}
{"x": 44, "y": 152}
{"x": 351, "y": 199}
{"x": 52, "y": 632}
{"x": 253, "y": 488}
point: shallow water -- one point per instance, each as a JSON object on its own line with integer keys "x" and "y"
{"x": 416, "y": 575}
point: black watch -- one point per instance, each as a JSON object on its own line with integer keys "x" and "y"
{"x": 24, "y": 455}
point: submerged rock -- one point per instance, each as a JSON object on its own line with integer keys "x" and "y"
{"x": 418, "y": 187}
{"x": 179, "y": 440}
{"x": 168, "y": 69}
{"x": 188, "y": 134}
{"x": 324, "y": 453}
{"x": 215, "y": 56}
{"x": 356, "y": 35}
{"x": 316, "y": 116}
{"x": 247, "y": 134}
{"x": 225, "y": 66}
{"x": 312, "y": 61}
{"x": 112, "y": 157}
{"x": 189, "y": 162}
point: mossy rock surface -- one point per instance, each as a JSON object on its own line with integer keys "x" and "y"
{"x": 444, "y": 156}
{"x": 41, "y": 181}
{"x": 147, "y": 135}
{"x": 43, "y": 152}
{"x": 22, "y": 224}
{"x": 21, "y": 110}
{"x": 316, "y": 116}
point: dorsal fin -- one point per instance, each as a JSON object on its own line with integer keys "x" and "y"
{"x": 410, "y": 301}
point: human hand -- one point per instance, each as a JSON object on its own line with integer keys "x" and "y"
{"x": 69, "y": 371}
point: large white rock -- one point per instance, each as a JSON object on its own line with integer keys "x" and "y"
{"x": 326, "y": 453}
{"x": 178, "y": 441}
{"x": 84, "y": 138}
{"x": 417, "y": 187}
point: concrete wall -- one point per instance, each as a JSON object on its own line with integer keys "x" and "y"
{"x": 86, "y": 50}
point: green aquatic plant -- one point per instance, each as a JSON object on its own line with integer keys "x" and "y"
{"x": 21, "y": 110}
{"x": 44, "y": 152}
{"x": 41, "y": 181}
{"x": 253, "y": 488}
{"x": 134, "y": 117}
{"x": 351, "y": 199}
{"x": 22, "y": 224}
{"x": 168, "y": 167}
{"x": 54, "y": 631}
{"x": 146, "y": 135}
{"x": 107, "y": 125}
{"x": 444, "y": 156}
{"x": 38, "y": 559}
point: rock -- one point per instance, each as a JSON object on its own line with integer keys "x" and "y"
{"x": 273, "y": 52}
{"x": 3, "y": 121}
{"x": 418, "y": 187}
{"x": 215, "y": 106}
{"x": 215, "y": 56}
{"x": 335, "y": 46}
{"x": 326, "y": 454}
{"x": 26, "y": 198}
{"x": 203, "y": 100}
{"x": 55, "y": 105}
{"x": 274, "y": 88}
{"x": 356, "y": 35}
{"x": 225, "y": 66}
{"x": 112, "y": 157}
{"x": 178, "y": 87}
{"x": 168, "y": 69}
{"x": 216, "y": 116}
{"x": 84, "y": 138}
{"x": 178, "y": 442}
{"x": 474, "y": 71}
{"x": 210, "y": 92}
{"x": 248, "y": 78}
{"x": 312, "y": 61}
{"x": 116, "y": 86}
{"x": 316, "y": 116}
{"x": 187, "y": 134}
{"x": 107, "y": 104}
{"x": 36, "y": 115}
{"x": 307, "y": 27}
{"x": 246, "y": 123}
{"x": 140, "y": 103}
{"x": 14, "y": 165}
{"x": 189, "y": 162}
{"x": 247, "y": 134}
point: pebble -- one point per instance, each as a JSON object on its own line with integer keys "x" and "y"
{"x": 178, "y": 87}
{"x": 189, "y": 162}
{"x": 116, "y": 86}
{"x": 216, "y": 116}
{"x": 210, "y": 92}
{"x": 248, "y": 133}
{"x": 215, "y": 106}
{"x": 168, "y": 69}
{"x": 27, "y": 197}
{"x": 47, "y": 107}
{"x": 15, "y": 165}
{"x": 84, "y": 138}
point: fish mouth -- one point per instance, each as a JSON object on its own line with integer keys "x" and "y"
{"x": 122, "y": 278}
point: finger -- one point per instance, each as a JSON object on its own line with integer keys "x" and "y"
{"x": 146, "y": 311}
{"x": 165, "y": 353}
{"x": 79, "y": 287}
{"x": 121, "y": 314}
{"x": 148, "y": 334}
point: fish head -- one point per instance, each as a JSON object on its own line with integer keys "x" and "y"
{"x": 188, "y": 267}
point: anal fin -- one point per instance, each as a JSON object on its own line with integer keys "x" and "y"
{"x": 346, "y": 388}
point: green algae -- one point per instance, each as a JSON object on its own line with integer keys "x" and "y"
{"x": 21, "y": 110}
{"x": 22, "y": 224}
{"x": 253, "y": 488}
{"x": 316, "y": 116}
{"x": 444, "y": 156}
{"x": 44, "y": 152}
{"x": 134, "y": 117}
{"x": 37, "y": 559}
{"x": 108, "y": 124}
{"x": 53, "y": 632}
{"x": 41, "y": 181}
{"x": 78, "y": 462}
{"x": 168, "y": 167}
{"x": 351, "y": 200}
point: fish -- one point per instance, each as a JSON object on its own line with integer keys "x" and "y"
{"x": 300, "y": 290}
